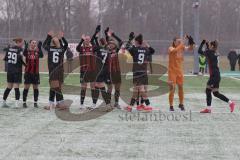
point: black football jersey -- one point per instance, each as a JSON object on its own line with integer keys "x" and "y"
{"x": 140, "y": 58}
{"x": 212, "y": 58}
{"x": 14, "y": 59}
{"x": 103, "y": 55}
{"x": 55, "y": 55}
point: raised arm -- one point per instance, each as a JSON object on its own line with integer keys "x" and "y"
{"x": 80, "y": 44}
{"x": 94, "y": 37}
{"x": 47, "y": 42}
{"x": 177, "y": 49}
{"x": 120, "y": 42}
{"x": 200, "y": 49}
{"x": 191, "y": 43}
{"x": 40, "y": 49}
{"x": 65, "y": 43}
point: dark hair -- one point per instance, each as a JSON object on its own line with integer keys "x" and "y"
{"x": 139, "y": 39}
{"x": 214, "y": 44}
{"x": 103, "y": 41}
{"x": 174, "y": 40}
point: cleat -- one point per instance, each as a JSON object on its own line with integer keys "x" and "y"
{"x": 140, "y": 107}
{"x": 148, "y": 108}
{"x": 129, "y": 108}
{"x": 16, "y": 104}
{"x": 116, "y": 105}
{"x": 206, "y": 110}
{"x": 181, "y": 106}
{"x": 232, "y": 106}
{"x": 82, "y": 107}
{"x": 35, "y": 105}
{"x": 109, "y": 108}
{"x": 93, "y": 106}
{"x": 171, "y": 109}
{"x": 4, "y": 105}
{"x": 25, "y": 105}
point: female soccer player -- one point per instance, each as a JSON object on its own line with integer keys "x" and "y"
{"x": 32, "y": 53}
{"x": 56, "y": 46}
{"x": 215, "y": 77}
{"x": 103, "y": 77}
{"x": 175, "y": 69}
{"x": 87, "y": 67}
{"x": 114, "y": 67}
{"x": 15, "y": 62}
{"x": 140, "y": 52}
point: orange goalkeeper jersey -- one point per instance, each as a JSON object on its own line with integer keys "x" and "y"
{"x": 175, "y": 65}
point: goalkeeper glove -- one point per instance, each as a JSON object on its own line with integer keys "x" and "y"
{"x": 131, "y": 36}
{"x": 98, "y": 29}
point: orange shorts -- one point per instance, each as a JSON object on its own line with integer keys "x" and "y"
{"x": 175, "y": 78}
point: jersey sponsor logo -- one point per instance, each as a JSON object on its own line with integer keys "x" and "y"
{"x": 56, "y": 50}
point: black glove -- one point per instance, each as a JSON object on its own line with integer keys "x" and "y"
{"x": 39, "y": 44}
{"x": 106, "y": 30}
{"x": 131, "y": 36}
{"x": 190, "y": 40}
{"x": 203, "y": 42}
{"x": 98, "y": 29}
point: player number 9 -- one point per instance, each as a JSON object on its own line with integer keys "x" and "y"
{"x": 140, "y": 58}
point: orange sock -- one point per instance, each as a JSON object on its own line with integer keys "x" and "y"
{"x": 181, "y": 95}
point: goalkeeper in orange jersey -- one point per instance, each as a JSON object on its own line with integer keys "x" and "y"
{"x": 175, "y": 69}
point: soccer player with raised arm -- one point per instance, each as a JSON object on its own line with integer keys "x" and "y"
{"x": 56, "y": 46}
{"x": 103, "y": 76}
{"x": 87, "y": 67}
{"x": 15, "y": 62}
{"x": 32, "y": 53}
{"x": 175, "y": 69}
{"x": 215, "y": 77}
{"x": 113, "y": 64}
{"x": 140, "y": 52}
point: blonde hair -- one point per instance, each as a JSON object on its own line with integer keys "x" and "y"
{"x": 55, "y": 42}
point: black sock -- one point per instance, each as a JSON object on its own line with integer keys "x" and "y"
{"x": 95, "y": 95}
{"x": 105, "y": 95}
{"x": 132, "y": 102}
{"x": 142, "y": 100}
{"x": 35, "y": 94}
{"x": 17, "y": 93}
{"x": 117, "y": 95}
{"x": 147, "y": 102}
{"x": 52, "y": 95}
{"x": 83, "y": 94}
{"x": 6, "y": 93}
{"x": 25, "y": 94}
{"x": 220, "y": 96}
{"x": 59, "y": 95}
{"x": 209, "y": 96}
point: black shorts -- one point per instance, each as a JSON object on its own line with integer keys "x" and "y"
{"x": 116, "y": 78}
{"x": 140, "y": 78}
{"x": 103, "y": 76}
{"x": 57, "y": 75}
{"x": 87, "y": 77}
{"x": 214, "y": 81}
{"x": 14, "y": 77}
{"x": 30, "y": 78}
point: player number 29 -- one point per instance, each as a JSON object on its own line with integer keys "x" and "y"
{"x": 55, "y": 57}
{"x": 141, "y": 58}
{"x": 12, "y": 57}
